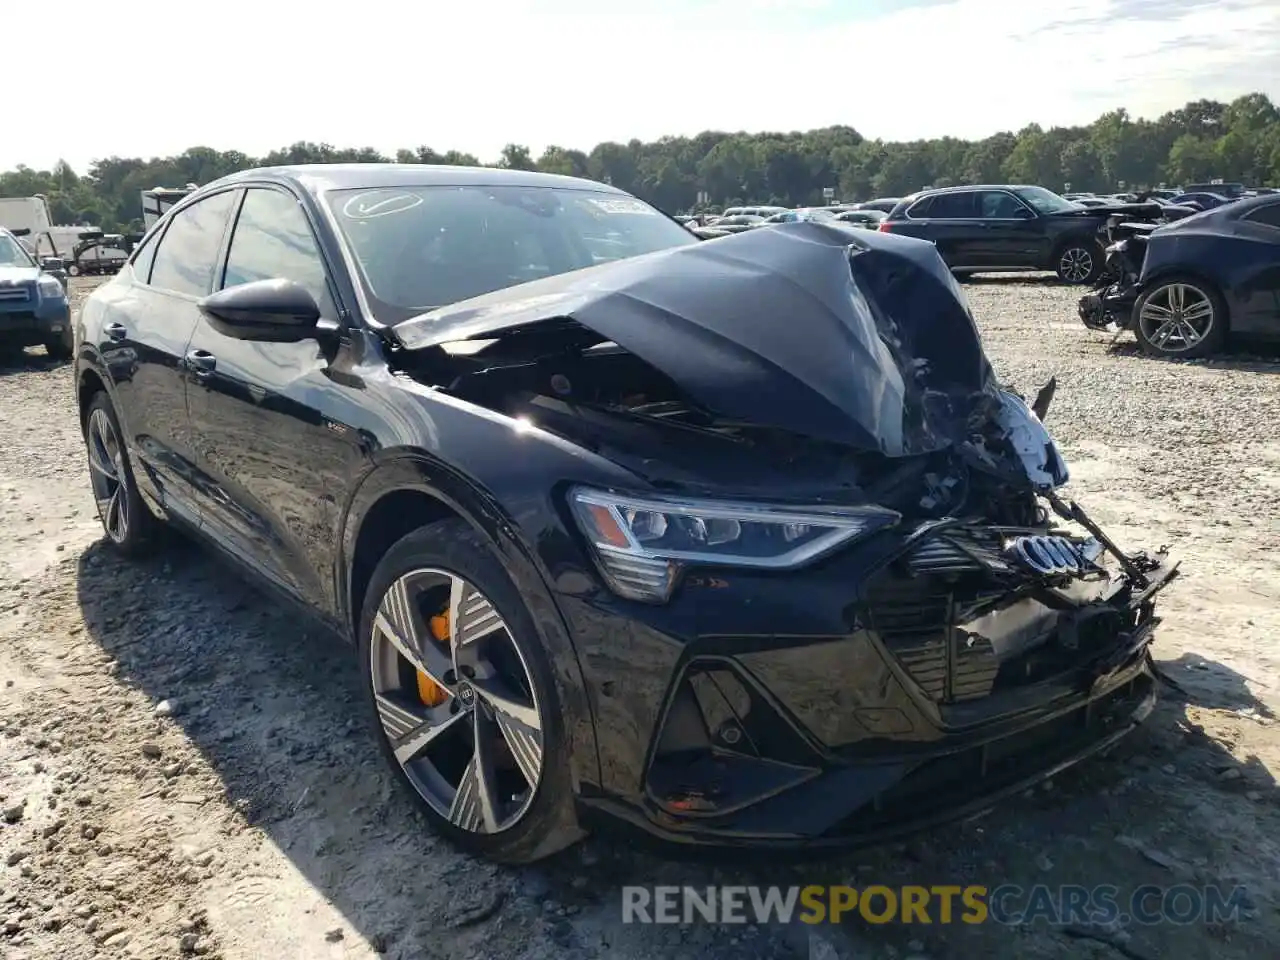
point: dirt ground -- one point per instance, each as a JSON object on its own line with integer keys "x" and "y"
{"x": 181, "y": 772}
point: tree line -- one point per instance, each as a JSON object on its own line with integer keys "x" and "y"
{"x": 1203, "y": 140}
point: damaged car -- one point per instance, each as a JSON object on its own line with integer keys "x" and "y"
{"x": 737, "y": 542}
{"x": 1184, "y": 287}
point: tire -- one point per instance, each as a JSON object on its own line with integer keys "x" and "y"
{"x": 419, "y": 574}
{"x": 73, "y": 270}
{"x": 1078, "y": 261}
{"x": 59, "y": 348}
{"x": 1195, "y": 297}
{"x": 133, "y": 532}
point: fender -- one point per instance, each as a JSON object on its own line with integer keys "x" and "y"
{"x": 415, "y": 471}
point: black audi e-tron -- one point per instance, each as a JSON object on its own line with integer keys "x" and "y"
{"x": 739, "y": 541}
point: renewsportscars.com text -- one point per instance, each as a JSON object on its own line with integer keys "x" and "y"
{"x": 938, "y": 904}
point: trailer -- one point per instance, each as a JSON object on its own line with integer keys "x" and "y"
{"x": 157, "y": 200}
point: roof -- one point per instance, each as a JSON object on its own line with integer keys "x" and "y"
{"x": 971, "y": 186}
{"x": 321, "y": 177}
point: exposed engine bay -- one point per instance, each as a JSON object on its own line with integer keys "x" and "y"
{"x": 566, "y": 380}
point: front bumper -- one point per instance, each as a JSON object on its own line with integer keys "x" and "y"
{"x": 810, "y": 741}
{"x": 1109, "y": 309}
{"x": 34, "y": 322}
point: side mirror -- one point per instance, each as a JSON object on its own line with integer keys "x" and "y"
{"x": 52, "y": 264}
{"x": 1025, "y": 214}
{"x": 276, "y": 311}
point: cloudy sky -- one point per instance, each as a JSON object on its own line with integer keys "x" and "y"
{"x": 475, "y": 74}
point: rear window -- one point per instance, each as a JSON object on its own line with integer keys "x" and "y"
{"x": 953, "y": 206}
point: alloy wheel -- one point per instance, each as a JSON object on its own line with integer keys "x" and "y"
{"x": 107, "y": 475}
{"x": 1176, "y": 318}
{"x": 1076, "y": 264}
{"x": 456, "y": 701}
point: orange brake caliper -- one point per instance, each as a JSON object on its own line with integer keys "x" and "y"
{"x": 429, "y": 692}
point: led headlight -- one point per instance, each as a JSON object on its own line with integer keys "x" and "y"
{"x": 50, "y": 287}
{"x": 641, "y": 543}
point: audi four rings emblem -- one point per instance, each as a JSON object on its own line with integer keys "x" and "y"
{"x": 1049, "y": 555}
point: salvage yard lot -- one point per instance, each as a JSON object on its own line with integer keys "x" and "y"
{"x": 183, "y": 769}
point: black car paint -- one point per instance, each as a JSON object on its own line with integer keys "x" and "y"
{"x": 842, "y": 383}
{"x": 302, "y": 461}
{"x": 1224, "y": 247}
{"x": 1031, "y": 242}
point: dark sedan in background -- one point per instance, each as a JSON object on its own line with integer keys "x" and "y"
{"x": 738, "y": 542}
{"x": 1197, "y": 281}
{"x": 1006, "y": 228}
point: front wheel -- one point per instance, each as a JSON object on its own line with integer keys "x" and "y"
{"x": 73, "y": 270}
{"x": 1079, "y": 262}
{"x": 462, "y": 697}
{"x": 1180, "y": 317}
{"x": 59, "y": 348}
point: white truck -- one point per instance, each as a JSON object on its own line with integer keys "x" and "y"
{"x": 83, "y": 248}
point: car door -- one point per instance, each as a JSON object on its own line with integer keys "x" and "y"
{"x": 146, "y": 325}
{"x": 951, "y": 222}
{"x": 1255, "y": 293}
{"x": 1012, "y": 234}
{"x": 271, "y": 464}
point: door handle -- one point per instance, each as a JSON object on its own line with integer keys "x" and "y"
{"x": 116, "y": 331}
{"x": 201, "y": 363}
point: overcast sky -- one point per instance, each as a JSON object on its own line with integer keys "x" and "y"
{"x": 475, "y": 74}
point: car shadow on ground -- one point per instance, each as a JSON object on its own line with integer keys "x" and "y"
{"x": 24, "y": 361}
{"x": 277, "y": 714}
{"x": 1249, "y": 356}
{"x": 1016, "y": 279}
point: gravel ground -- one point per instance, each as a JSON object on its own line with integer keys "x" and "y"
{"x": 180, "y": 773}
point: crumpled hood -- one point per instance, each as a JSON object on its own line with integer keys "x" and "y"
{"x": 16, "y": 275}
{"x": 831, "y": 332}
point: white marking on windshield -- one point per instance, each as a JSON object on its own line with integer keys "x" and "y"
{"x": 365, "y": 207}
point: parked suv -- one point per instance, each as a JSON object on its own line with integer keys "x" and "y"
{"x": 33, "y": 301}
{"x": 999, "y": 228}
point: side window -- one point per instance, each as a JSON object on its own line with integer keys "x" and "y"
{"x": 920, "y": 209}
{"x": 273, "y": 240}
{"x": 998, "y": 205}
{"x": 143, "y": 258}
{"x": 953, "y": 206}
{"x": 188, "y": 251}
{"x": 1269, "y": 215}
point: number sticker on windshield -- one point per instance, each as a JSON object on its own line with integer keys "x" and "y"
{"x": 379, "y": 203}
{"x": 622, "y": 205}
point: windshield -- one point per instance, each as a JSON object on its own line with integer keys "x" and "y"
{"x": 1046, "y": 201}
{"x": 424, "y": 247}
{"x": 13, "y": 254}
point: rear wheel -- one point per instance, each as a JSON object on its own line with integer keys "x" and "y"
{"x": 128, "y": 523}
{"x": 1079, "y": 261}
{"x": 73, "y": 270}
{"x": 1180, "y": 317}
{"x": 462, "y": 696}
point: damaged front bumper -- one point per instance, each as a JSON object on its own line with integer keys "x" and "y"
{"x": 1109, "y": 309}
{"x": 920, "y": 714}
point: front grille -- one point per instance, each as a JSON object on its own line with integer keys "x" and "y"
{"x": 958, "y": 551}
{"x": 15, "y": 295}
{"x": 915, "y": 625}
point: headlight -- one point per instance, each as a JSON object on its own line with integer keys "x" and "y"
{"x": 642, "y": 543}
{"x": 50, "y": 287}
